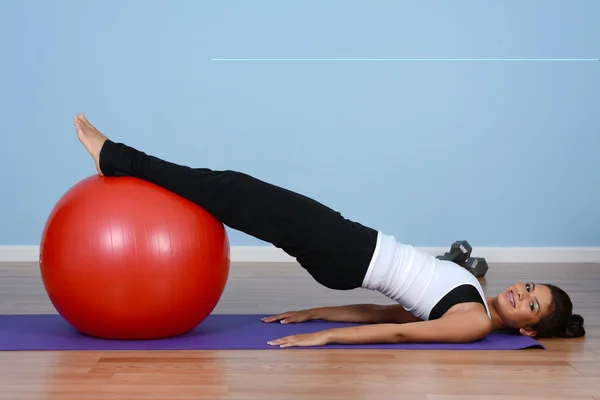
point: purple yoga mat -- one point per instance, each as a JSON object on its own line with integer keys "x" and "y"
{"x": 217, "y": 332}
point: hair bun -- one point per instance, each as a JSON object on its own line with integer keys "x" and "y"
{"x": 575, "y": 327}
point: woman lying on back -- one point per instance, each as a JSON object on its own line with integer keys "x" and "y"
{"x": 437, "y": 301}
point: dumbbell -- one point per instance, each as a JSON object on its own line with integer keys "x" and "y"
{"x": 460, "y": 251}
{"x": 478, "y": 266}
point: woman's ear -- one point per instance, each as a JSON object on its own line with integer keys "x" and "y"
{"x": 528, "y": 331}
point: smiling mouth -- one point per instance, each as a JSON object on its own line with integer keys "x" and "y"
{"x": 511, "y": 298}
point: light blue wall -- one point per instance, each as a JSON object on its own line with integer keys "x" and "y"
{"x": 503, "y": 153}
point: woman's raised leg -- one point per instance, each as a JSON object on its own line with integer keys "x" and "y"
{"x": 334, "y": 250}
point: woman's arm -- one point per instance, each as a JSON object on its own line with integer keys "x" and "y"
{"x": 461, "y": 326}
{"x": 357, "y": 313}
{"x": 457, "y": 327}
{"x": 365, "y": 313}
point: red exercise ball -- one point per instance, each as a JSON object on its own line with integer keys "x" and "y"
{"x": 122, "y": 258}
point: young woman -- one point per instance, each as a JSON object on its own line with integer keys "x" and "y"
{"x": 437, "y": 301}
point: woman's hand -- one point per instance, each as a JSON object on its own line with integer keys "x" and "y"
{"x": 302, "y": 340}
{"x": 291, "y": 317}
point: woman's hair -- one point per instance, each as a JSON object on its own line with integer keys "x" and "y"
{"x": 560, "y": 322}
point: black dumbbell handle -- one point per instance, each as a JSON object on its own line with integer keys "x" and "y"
{"x": 450, "y": 256}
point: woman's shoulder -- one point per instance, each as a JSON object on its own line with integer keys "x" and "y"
{"x": 473, "y": 315}
{"x": 474, "y": 311}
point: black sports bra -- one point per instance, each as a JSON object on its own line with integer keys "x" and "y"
{"x": 461, "y": 294}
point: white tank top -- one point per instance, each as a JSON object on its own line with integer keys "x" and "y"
{"x": 413, "y": 278}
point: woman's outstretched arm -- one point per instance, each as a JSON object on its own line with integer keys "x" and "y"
{"x": 463, "y": 326}
{"x": 357, "y": 313}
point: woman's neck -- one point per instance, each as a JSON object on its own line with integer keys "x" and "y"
{"x": 497, "y": 322}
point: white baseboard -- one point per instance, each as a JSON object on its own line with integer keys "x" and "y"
{"x": 576, "y": 255}
{"x": 19, "y": 253}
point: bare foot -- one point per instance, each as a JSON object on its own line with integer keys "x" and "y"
{"x": 90, "y": 137}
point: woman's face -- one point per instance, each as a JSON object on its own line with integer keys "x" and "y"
{"x": 523, "y": 305}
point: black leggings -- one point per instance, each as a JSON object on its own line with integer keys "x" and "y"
{"x": 335, "y": 251}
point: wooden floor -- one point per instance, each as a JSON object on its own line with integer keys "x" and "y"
{"x": 569, "y": 369}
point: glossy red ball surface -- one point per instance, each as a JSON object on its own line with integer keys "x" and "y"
{"x": 122, "y": 258}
